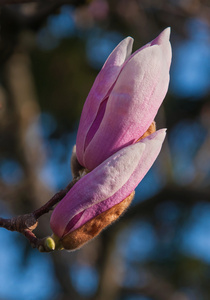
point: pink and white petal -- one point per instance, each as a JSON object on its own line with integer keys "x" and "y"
{"x": 100, "y": 184}
{"x": 132, "y": 104}
{"x": 100, "y": 89}
{"x": 163, "y": 41}
{"x": 153, "y": 144}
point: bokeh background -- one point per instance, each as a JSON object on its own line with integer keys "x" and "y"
{"x": 50, "y": 53}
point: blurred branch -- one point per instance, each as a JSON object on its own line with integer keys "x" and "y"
{"x": 6, "y": 2}
{"x": 184, "y": 195}
{"x": 33, "y": 20}
{"x": 14, "y": 19}
{"x": 21, "y": 91}
{"x": 157, "y": 288}
{"x": 108, "y": 287}
{"x": 58, "y": 2}
{"x": 61, "y": 269}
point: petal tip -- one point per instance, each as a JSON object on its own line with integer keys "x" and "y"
{"x": 129, "y": 43}
{"x": 166, "y": 33}
{"x": 163, "y": 37}
{"x": 129, "y": 39}
{"x": 163, "y": 40}
{"x": 161, "y": 134}
{"x": 158, "y": 135}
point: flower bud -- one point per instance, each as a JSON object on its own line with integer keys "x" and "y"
{"x": 102, "y": 195}
{"x": 123, "y": 100}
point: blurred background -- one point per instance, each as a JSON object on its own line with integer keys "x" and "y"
{"x": 50, "y": 54}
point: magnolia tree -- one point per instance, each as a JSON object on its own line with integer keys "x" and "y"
{"x": 116, "y": 145}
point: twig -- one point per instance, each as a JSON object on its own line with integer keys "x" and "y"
{"x": 25, "y": 224}
{"x": 53, "y": 201}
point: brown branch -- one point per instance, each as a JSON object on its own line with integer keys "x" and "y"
{"x": 53, "y": 201}
{"x": 25, "y": 224}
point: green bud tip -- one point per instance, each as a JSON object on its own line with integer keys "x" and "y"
{"x": 57, "y": 241}
{"x": 49, "y": 243}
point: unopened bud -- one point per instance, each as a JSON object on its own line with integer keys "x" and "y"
{"x": 49, "y": 244}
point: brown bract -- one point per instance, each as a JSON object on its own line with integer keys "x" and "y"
{"x": 149, "y": 131}
{"x": 92, "y": 228}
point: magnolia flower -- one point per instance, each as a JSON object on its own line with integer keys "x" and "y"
{"x": 102, "y": 195}
{"x": 114, "y": 147}
{"x": 124, "y": 99}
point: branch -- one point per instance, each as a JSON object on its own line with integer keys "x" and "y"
{"x": 53, "y": 201}
{"x": 25, "y": 224}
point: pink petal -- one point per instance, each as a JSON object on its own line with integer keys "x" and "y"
{"x": 133, "y": 102}
{"x": 106, "y": 185}
{"x": 96, "y": 186}
{"x": 162, "y": 40}
{"x": 100, "y": 89}
{"x": 153, "y": 145}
